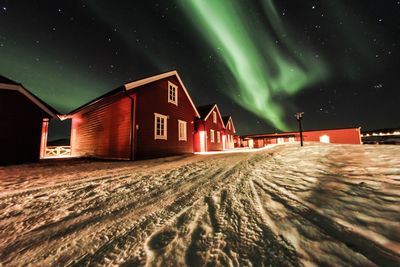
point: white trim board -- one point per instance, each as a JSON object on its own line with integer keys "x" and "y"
{"x": 219, "y": 115}
{"x": 135, "y": 84}
{"x": 29, "y": 95}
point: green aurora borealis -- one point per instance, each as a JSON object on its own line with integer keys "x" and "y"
{"x": 260, "y": 61}
{"x": 59, "y": 86}
{"x": 261, "y": 71}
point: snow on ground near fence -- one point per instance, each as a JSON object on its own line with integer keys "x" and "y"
{"x": 284, "y": 206}
{"x": 235, "y": 150}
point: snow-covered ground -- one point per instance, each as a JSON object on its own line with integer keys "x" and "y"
{"x": 320, "y": 205}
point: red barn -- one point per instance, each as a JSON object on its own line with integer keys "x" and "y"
{"x": 229, "y": 132}
{"x": 147, "y": 118}
{"x": 209, "y": 130}
{"x": 24, "y": 118}
{"x": 335, "y": 136}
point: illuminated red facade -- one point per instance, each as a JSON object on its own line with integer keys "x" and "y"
{"x": 335, "y": 136}
{"x": 148, "y": 118}
{"x": 23, "y": 118}
{"x": 209, "y": 130}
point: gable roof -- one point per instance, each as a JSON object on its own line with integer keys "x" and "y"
{"x": 226, "y": 119}
{"x": 135, "y": 84}
{"x": 206, "y": 112}
{"x": 8, "y": 84}
{"x": 7, "y": 81}
{"x": 97, "y": 99}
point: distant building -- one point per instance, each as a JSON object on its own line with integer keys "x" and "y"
{"x": 147, "y": 118}
{"x": 209, "y": 130}
{"x": 335, "y": 136}
{"x": 381, "y": 136}
{"x": 23, "y": 124}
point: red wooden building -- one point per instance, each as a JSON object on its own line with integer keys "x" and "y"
{"x": 229, "y": 132}
{"x": 24, "y": 118}
{"x": 335, "y": 136}
{"x": 147, "y": 118}
{"x": 209, "y": 130}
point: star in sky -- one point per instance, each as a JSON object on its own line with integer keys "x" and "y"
{"x": 261, "y": 64}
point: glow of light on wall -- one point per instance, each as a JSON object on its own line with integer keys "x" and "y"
{"x": 202, "y": 141}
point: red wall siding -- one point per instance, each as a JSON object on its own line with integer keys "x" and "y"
{"x": 198, "y": 127}
{"x": 258, "y": 143}
{"x": 153, "y": 98}
{"x": 337, "y": 136}
{"x": 238, "y": 141}
{"x": 103, "y": 132}
{"x": 219, "y": 126}
{"x": 21, "y": 126}
{"x": 208, "y": 125}
{"x": 231, "y": 133}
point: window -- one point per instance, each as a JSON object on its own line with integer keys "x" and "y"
{"x": 160, "y": 126}
{"x": 182, "y": 136}
{"x": 218, "y": 137}
{"x": 324, "y": 139}
{"x": 172, "y": 93}
{"x": 280, "y": 140}
{"x": 291, "y": 139}
{"x": 214, "y": 117}
{"x": 212, "y": 136}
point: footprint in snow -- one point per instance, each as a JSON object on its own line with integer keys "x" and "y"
{"x": 162, "y": 239}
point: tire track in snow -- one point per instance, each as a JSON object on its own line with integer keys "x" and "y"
{"x": 46, "y": 235}
{"x": 225, "y": 210}
{"x": 370, "y": 249}
{"x": 191, "y": 193}
{"x": 229, "y": 232}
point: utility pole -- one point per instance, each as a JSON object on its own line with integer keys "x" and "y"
{"x": 299, "y": 116}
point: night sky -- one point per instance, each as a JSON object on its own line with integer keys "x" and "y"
{"x": 260, "y": 61}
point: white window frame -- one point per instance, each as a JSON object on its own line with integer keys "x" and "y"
{"x": 212, "y": 136}
{"x": 172, "y": 91}
{"x": 182, "y": 137}
{"x": 164, "y": 135}
{"x": 218, "y": 137}
{"x": 214, "y": 116}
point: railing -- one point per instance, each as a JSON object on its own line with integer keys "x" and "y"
{"x": 58, "y": 151}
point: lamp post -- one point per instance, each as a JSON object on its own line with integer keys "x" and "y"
{"x": 299, "y": 116}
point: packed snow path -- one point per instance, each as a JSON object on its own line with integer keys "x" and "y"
{"x": 286, "y": 206}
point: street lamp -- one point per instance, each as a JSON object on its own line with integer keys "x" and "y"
{"x": 299, "y": 116}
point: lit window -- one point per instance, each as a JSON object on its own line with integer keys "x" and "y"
{"x": 324, "y": 139}
{"x": 172, "y": 93}
{"x": 214, "y": 117}
{"x": 212, "y": 136}
{"x": 218, "y": 137}
{"x": 182, "y": 136}
{"x": 160, "y": 126}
